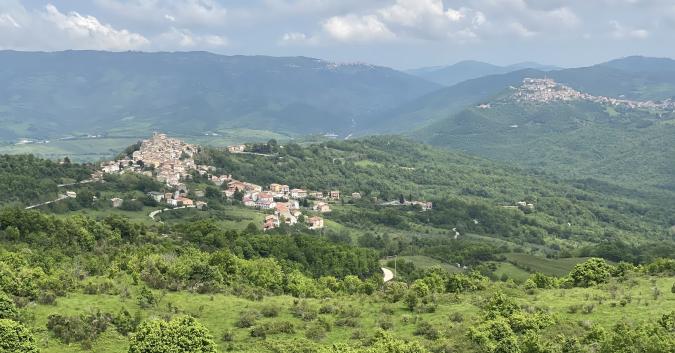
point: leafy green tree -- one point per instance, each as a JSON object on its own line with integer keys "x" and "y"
{"x": 7, "y": 307}
{"x": 16, "y": 338}
{"x": 180, "y": 335}
{"x": 591, "y": 272}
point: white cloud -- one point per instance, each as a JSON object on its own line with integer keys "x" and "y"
{"x": 88, "y": 32}
{"x": 298, "y": 38}
{"x": 184, "y": 39}
{"x": 421, "y": 19}
{"x": 618, "y": 31}
{"x": 7, "y": 20}
{"x": 357, "y": 28}
{"x": 188, "y": 13}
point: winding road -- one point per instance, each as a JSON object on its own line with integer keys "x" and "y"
{"x": 388, "y": 275}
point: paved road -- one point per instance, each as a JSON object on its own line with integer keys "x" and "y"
{"x": 62, "y": 197}
{"x": 155, "y": 213}
{"x": 78, "y": 183}
{"x": 388, "y": 275}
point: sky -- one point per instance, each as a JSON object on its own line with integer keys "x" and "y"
{"x": 398, "y": 33}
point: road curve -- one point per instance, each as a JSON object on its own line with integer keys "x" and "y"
{"x": 388, "y": 275}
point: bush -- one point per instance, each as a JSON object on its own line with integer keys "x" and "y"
{"x": 316, "y": 332}
{"x": 270, "y": 311}
{"x": 303, "y": 310}
{"x": 228, "y": 336}
{"x": 47, "y": 298}
{"x": 16, "y": 338}
{"x": 84, "y": 328}
{"x": 457, "y": 317}
{"x": 347, "y": 322}
{"x": 427, "y": 330}
{"x": 591, "y": 272}
{"x": 183, "y": 334}
{"x": 146, "y": 298}
{"x": 386, "y": 323}
{"x": 125, "y": 323}
{"x": 247, "y": 318}
{"x": 7, "y": 307}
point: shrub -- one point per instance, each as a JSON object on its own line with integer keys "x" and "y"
{"x": 328, "y": 309}
{"x": 146, "y": 298}
{"x": 7, "y": 307}
{"x": 347, "y": 322}
{"x": 386, "y": 323}
{"x": 247, "y": 318}
{"x": 47, "y": 298}
{"x": 588, "y": 308}
{"x": 183, "y": 334}
{"x": 125, "y": 323}
{"x": 228, "y": 336}
{"x": 270, "y": 311}
{"x": 16, "y": 338}
{"x": 456, "y": 317}
{"x": 84, "y": 328}
{"x": 316, "y": 332}
{"x": 427, "y": 330}
{"x": 591, "y": 272}
{"x": 303, "y": 310}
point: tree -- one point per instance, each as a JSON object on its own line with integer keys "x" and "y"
{"x": 591, "y": 272}
{"x": 16, "y": 338}
{"x": 180, "y": 335}
{"x": 7, "y": 307}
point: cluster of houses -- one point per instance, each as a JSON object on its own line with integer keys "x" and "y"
{"x": 546, "y": 90}
{"x": 284, "y": 201}
{"x": 521, "y": 205}
{"x": 425, "y": 205}
{"x": 171, "y": 159}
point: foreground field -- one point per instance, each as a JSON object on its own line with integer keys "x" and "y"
{"x": 349, "y": 319}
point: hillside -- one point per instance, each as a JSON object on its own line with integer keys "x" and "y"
{"x": 575, "y": 139}
{"x": 462, "y": 188}
{"x": 86, "y": 277}
{"x": 48, "y": 95}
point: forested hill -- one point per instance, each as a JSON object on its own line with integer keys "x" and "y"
{"x": 387, "y": 167}
{"x": 574, "y": 140}
{"x": 132, "y": 93}
{"x": 26, "y": 179}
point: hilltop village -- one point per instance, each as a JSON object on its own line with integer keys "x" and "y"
{"x": 544, "y": 91}
{"x": 172, "y": 162}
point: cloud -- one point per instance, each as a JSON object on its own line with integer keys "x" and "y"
{"x": 6, "y": 20}
{"x": 618, "y": 31}
{"x": 357, "y": 28}
{"x": 468, "y": 20}
{"x": 186, "y": 13}
{"x": 47, "y": 28}
{"x": 88, "y": 32}
{"x": 420, "y": 19}
{"x": 298, "y": 38}
{"x": 185, "y": 39}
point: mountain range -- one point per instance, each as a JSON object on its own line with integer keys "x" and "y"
{"x": 51, "y": 94}
{"x": 47, "y": 95}
{"x": 470, "y": 69}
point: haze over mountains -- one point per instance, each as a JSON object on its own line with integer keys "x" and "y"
{"x": 49, "y": 95}
{"x": 470, "y": 69}
{"x": 52, "y": 94}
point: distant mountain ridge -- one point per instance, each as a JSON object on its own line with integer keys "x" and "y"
{"x": 471, "y": 69}
{"x": 50, "y": 94}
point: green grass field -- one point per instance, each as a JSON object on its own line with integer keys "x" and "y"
{"x": 94, "y": 149}
{"x": 551, "y": 267}
{"x": 220, "y": 313}
{"x": 424, "y": 262}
